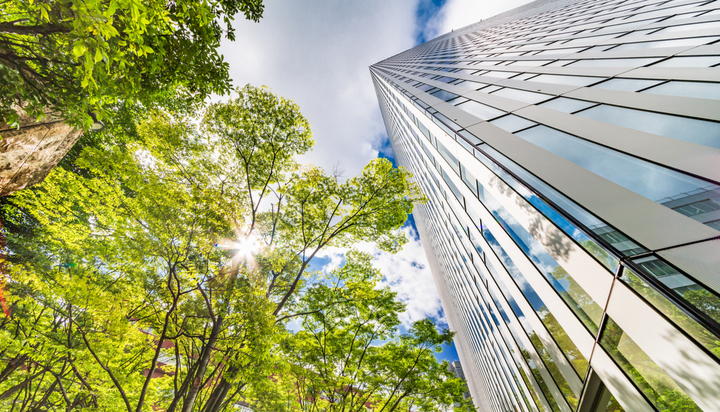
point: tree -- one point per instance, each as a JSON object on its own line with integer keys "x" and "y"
{"x": 76, "y": 57}
{"x": 130, "y": 272}
{"x": 350, "y": 355}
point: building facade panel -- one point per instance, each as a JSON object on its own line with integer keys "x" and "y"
{"x": 569, "y": 152}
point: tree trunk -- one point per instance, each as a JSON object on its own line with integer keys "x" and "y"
{"x": 217, "y": 397}
{"x": 202, "y": 367}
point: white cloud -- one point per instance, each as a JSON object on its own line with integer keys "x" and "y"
{"x": 317, "y": 53}
{"x": 407, "y": 273}
{"x": 456, "y": 14}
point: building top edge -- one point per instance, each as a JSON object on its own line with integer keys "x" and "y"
{"x": 526, "y": 10}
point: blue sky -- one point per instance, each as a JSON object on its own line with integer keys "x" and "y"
{"x": 426, "y": 11}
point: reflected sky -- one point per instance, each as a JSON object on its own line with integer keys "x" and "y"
{"x": 644, "y": 178}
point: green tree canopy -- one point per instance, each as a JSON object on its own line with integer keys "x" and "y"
{"x": 177, "y": 252}
{"x": 79, "y": 56}
{"x": 350, "y": 354}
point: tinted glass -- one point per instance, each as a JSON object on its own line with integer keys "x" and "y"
{"x": 647, "y": 179}
{"x": 628, "y": 85}
{"x": 682, "y": 128}
{"x": 657, "y": 386}
{"x": 563, "y": 104}
{"x": 480, "y": 110}
{"x": 688, "y": 89}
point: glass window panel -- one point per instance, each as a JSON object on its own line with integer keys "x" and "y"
{"x": 612, "y": 405}
{"x": 577, "y": 360}
{"x": 682, "y": 128}
{"x": 480, "y": 110}
{"x": 536, "y": 343}
{"x": 563, "y": 104}
{"x": 686, "y": 27}
{"x": 699, "y": 207}
{"x": 695, "y": 41}
{"x": 522, "y": 95}
{"x": 502, "y": 75}
{"x": 490, "y": 89}
{"x": 697, "y": 90}
{"x": 598, "y": 48}
{"x": 531, "y": 63}
{"x": 674, "y": 313}
{"x": 577, "y": 299}
{"x": 658, "y": 387}
{"x": 512, "y": 123}
{"x": 560, "y": 63}
{"x": 627, "y": 85}
{"x": 631, "y": 62}
{"x": 444, "y": 95}
{"x": 566, "y": 80}
{"x": 449, "y": 157}
{"x": 471, "y": 85}
{"x": 635, "y": 34}
{"x": 470, "y": 137}
{"x": 684, "y": 287}
{"x": 689, "y": 61}
{"x": 593, "y": 39}
{"x": 715, "y": 224}
{"x": 645, "y": 178}
{"x": 711, "y": 13}
{"x": 560, "y": 200}
{"x": 458, "y": 100}
{"x": 560, "y": 51}
{"x": 524, "y": 76}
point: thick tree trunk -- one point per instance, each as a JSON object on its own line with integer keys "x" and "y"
{"x": 29, "y": 153}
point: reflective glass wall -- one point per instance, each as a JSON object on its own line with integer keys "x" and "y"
{"x": 570, "y": 154}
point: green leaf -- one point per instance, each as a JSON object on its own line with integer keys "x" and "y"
{"x": 79, "y": 49}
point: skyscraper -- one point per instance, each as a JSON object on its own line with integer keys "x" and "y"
{"x": 570, "y": 154}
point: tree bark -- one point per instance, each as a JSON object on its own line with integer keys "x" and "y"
{"x": 48, "y": 28}
{"x": 202, "y": 367}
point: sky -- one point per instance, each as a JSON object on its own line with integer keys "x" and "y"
{"x": 317, "y": 53}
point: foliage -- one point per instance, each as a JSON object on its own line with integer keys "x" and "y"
{"x": 702, "y": 299}
{"x": 76, "y": 57}
{"x": 657, "y": 386}
{"x": 120, "y": 266}
{"x": 350, "y": 356}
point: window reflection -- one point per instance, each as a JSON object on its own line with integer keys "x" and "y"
{"x": 657, "y": 386}
{"x": 565, "y": 105}
{"x": 480, "y": 110}
{"x": 673, "y": 312}
{"x": 633, "y": 62}
{"x": 644, "y": 178}
{"x": 560, "y": 200}
{"x": 444, "y": 95}
{"x": 628, "y": 85}
{"x": 694, "y": 41}
{"x": 684, "y": 287}
{"x": 697, "y": 90}
{"x": 566, "y": 80}
{"x": 512, "y": 123}
{"x": 682, "y": 128}
{"x": 689, "y": 61}
{"x": 522, "y": 95}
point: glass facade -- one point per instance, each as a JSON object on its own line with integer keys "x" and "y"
{"x": 570, "y": 153}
